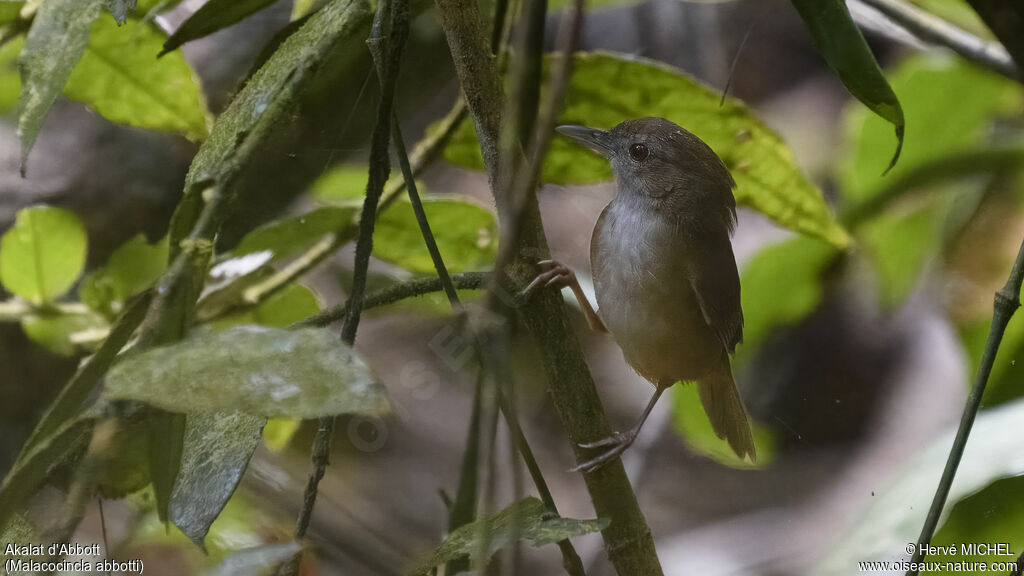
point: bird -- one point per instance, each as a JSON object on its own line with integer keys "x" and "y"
{"x": 665, "y": 277}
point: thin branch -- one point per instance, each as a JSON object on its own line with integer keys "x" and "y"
{"x": 1007, "y": 300}
{"x": 387, "y": 38}
{"x": 395, "y": 293}
{"x": 934, "y": 30}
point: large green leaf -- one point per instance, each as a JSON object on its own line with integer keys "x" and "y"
{"x": 212, "y": 16}
{"x": 949, "y": 105}
{"x": 42, "y": 255}
{"x": 466, "y": 234}
{"x": 218, "y": 447}
{"x": 266, "y": 103}
{"x": 894, "y": 516}
{"x": 289, "y": 236}
{"x": 841, "y": 44}
{"x": 535, "y": 525}
{"x": 119, "y": 78}
{"x": 55, "y": 42}
{"x": 607, "y": 89}
{"x": 261, "y": 371}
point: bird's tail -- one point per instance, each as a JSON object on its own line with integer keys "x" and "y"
{"x": 725, "y": 410}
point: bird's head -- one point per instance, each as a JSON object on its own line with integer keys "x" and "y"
{"x": 663, "y": 166}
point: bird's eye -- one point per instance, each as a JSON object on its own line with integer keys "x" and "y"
{"x": 638, "y": 152}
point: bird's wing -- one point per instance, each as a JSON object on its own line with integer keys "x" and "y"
{"x": 716, "y": 283}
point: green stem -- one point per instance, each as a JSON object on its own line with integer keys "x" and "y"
{"x": 1007, "y": 300}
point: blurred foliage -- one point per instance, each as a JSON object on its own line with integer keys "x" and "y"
{"x": 10, "y": 82}
{"x": 289, "y": 236}
{"x": 767, "y": 178}
{"x": 897, "y": 509}
{"x": 993, "y": 515}
{"x": 693, "y": 425}
{"x": 132, "y": 268}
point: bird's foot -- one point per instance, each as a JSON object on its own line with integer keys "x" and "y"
{"x": 553, "y": 274}
{"x": 618, "y": 443}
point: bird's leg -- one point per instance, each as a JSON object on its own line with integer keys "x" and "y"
{"x": 619, "y": 441}
{"x": 558, "y": 275}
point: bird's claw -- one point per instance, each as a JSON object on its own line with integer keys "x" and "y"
{"x": 618, "y": 441}
{"x": 553, "y": 274}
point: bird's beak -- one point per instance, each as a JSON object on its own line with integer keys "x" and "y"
{"x": 599, "y": 141}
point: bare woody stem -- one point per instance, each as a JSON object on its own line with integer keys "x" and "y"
{"x": 1007, "y": 301}
{"x": 627, "y": 538}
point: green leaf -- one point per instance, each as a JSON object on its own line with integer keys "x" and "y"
{"x": 781, "y": 285}
{"x": 766, "y": 175}
{"x": 1004, "y": 382}
{"x": 42, "y": 255}
{"x": 279, "y": 432}
{"x": 120, "y": 9}
{"x": 893, "y": 517}
{"x": 535, "y": 524}
{"x": 55, "y": 43}
{"x": 691, "y": 421}
{"x": 899, "y": 245}
{"x": 165, "y": 436}
{"x": 292, "y": 303}
{"x": 343, "y": 185}
{"x": 135, "y": 266}
{"x": 10, "y": 81}
{"x": 212, "y": 16}
{"x": 217, "y": 450}
{"x": 30, "y": 473}
{"x": 10, "y": 11}
{"x": 262, "y": 371}
{"x": 949, "y": 106}
{"x": 254, "y": 560}
{"x": 466, "y": 234}
{"x": 841, "y": 44}
{"x": 266, "y": 102}
{"x": 63, "y": 334}
{"x": 290, "y": 236}
{"x": 119, "y": 78}
{"x": 994, "y": 515}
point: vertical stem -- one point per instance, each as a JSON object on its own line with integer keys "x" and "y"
{"x": 1007, "y": 301}
{"x": 627, "y": 538}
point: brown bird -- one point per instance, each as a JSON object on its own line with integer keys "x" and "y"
{"x": 664, "y": 272}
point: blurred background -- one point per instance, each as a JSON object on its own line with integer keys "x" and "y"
{"x": 855, "y": 368}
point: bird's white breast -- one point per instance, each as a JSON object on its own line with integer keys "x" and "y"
{"x": 645, "y": 298}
